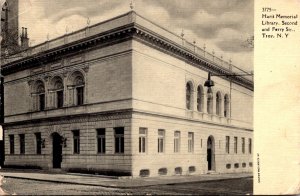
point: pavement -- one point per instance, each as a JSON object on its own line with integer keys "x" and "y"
{"x": 113, "y": 182}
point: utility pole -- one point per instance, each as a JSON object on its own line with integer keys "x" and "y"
{"x": 2, "y": 151}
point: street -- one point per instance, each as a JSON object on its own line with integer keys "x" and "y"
{"x": 222, "y": 187}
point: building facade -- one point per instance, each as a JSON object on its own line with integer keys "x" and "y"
{"x": 126, "y": 97}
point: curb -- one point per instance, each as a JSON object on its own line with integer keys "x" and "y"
{"x": 62, "y": 182}
{"x": 126, "y": 187}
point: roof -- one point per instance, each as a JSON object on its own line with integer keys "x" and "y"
{"x": 128, "y": 24}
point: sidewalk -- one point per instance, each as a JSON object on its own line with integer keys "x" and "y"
{"x": 112, "y": 182}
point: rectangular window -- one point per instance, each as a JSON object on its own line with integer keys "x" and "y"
{"x": 161, "y": 137}
{"x": 76, "y": 142}
{"x": 177, "y": 141}
{"x": 119, "y": 140}
{"x": 11, "y": 144}
{"x": 250, "y": 146}
{"x": 60, "y": 98}
{"x": 227, "y": 144}
{"x": 22, "y": 143}
{"x": 142, "y": 140}
{"x": 42, "y": 102}
{"x": 101, "y": 140}
{"x": 190, "y": 142}
{"x": 38, "y": 139}
{"x": 79, "y": 91}
{"x": 243, "y": 145}
{"x": 235, "y": 144}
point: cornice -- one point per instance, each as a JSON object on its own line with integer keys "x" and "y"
{"x": 71, "y": 119}
{"x": 113, "y": 36}
{"x": 146, "y": 113}
{"x": 120, "y": 34}
{"x": 155, "y": 40}
{"x": 104, "y": 116}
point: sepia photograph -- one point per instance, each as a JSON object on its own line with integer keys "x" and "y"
{"x": 128, "y": 97}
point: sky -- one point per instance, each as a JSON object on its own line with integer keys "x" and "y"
{"x": 222, "y": 25}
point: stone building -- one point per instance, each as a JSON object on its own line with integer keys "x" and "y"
{"x": 126, "y": 97}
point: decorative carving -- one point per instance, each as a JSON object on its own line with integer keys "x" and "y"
{"x": 30, "y": 82}
{"x": 46, "y": 78}
{"x": 65, "y": 73}
{"x": 86, "y": 68}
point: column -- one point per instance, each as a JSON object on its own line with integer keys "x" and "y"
{"x": 222, "y": 107}
{"x": 109, "y": 146}
{"x": 34, "y": 103}
{"x": 71, "y": 96}
{"x": 214, "y": 102}
{"x": 205, "y": 102}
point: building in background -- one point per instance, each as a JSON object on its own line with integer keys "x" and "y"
{"x": 10, "y": 27}
{"x": 126, "y": 97}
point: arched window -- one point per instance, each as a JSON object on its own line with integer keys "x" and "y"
{"x": 77, "y": 85}
{"x": 200, "y": 98}
{"x": 226, "y": 105}
{"x": 59, "y": 92}
{"x": 218, "y": 103}
{"x": 188, "y": 96}
{"x": 209, "y": 101}
{"x": 40, "y": 92}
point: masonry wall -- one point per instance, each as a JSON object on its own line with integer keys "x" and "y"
{"x": 153, "y": 161}
{"x": 87, "y": 159}
{"x": 108, "y": 85}
{"x": 159, "y": 85}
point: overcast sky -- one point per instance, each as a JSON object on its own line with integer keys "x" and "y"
{"x": 222, "y": 25}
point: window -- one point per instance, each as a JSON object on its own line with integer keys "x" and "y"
{"x": 38, "y": 142}
{"x": 200, "y": 98}
{"x": 42, "y": 102}
{"x": 79, "y": 93}
{"x": 226, "y": 105}
{"x": 119, "y": 140}
{"x": 209, "y": 101}
{"x": 236, "y": 165}
{"x": 218, "y": 103}
{"x": 142, "y": 140}
{"x": 163, "y": 171}
{"x": 188, "y": 96}
{"x": 235, "y": 145}
{"x": 101, "y": 140}
{"x": 58, "y": 89}
{"x": 76, "y": 142}
{"x": 11, "y": 144}
{"x": 40, "y": 93}
{"x": 144, "y": 172}
{"x": 190, "y": 142}
{"x": 250, "y": 146}
{"x": 178, "y": 170}
{"x": 243, "y": 145}
{"x": 22, "y": 143}
{"x": 60, "y": 98}
{"x": 177, "y": 141}
{"x": 76, "y": 87}
{"x": 192, "y": 169}
{"x": 161, "y": 137}
{"x": 227, "y": 144}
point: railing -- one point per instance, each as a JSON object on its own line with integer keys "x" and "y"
{"x": 122, "y": 20}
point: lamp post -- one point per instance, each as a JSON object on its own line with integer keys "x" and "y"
{"x": 210, "y": 83}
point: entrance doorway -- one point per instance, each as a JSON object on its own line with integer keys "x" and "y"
{"x": 210, "y": 153}
{"x": 57, "y": 150}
